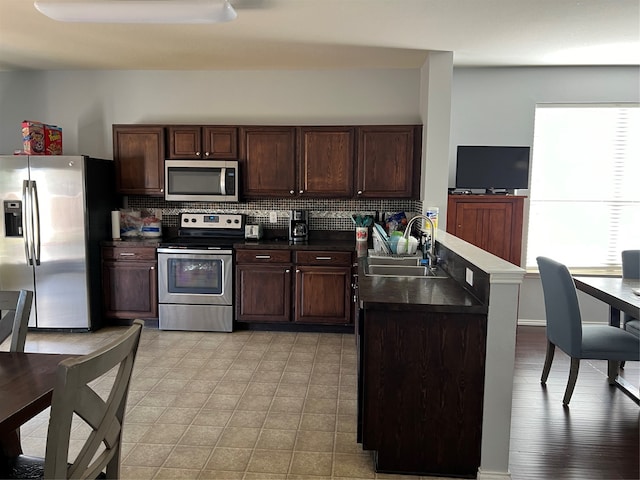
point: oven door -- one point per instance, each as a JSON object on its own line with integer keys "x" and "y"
{"x": 195, "y": 277}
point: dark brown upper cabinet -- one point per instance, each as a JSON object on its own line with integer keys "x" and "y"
{"x": 388, "y": 163}
{"x": 268, "y": 161}
{"x": 138, "y": 154}
{"x": 326, "y": 161}
{"x": 202, "y": 142}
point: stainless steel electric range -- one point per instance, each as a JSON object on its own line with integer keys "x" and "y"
{"x": 195, "y": 273}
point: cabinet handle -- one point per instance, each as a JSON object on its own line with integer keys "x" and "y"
{"x": 291, "y": 192}
{"x": 152, "y": 268}
{"x": 323, "y": 258}
{"x": 162, "y": 190}
{"x": 301, "y": 192}
{"x": 127, "y": 254}
{"x": 206, "y": 154}
{"x": 359, "y": 192}
{"x": 198, "y": 154}
{"x": 264, "y": 257}
{"x": 287, "y": 271}
{"x": 297, "y": 270}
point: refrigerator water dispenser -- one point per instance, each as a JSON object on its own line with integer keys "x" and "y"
{"x": 13, "y": 218}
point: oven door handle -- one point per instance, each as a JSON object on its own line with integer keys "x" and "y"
{"x": 194, "y": 251}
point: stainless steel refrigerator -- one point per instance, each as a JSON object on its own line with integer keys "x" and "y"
{"x": 55, "y": 213}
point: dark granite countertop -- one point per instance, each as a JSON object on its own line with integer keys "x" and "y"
{"x": 415, "y": 294}
{"x": 132, "y": 242}
{"x": 318, "y": 244}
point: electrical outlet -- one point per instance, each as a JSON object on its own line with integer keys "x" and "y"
{"x": 469, "y": 276}
{"x": 273, "y": 217}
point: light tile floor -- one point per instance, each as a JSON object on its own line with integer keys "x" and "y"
{"x": 242, "y": 405}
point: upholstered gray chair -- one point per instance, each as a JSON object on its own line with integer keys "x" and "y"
{"x": 16, "y": 308}
{"x": 631, "y": 269}
{"x": 104, "y": 414}
{"x": 565, "y": 329}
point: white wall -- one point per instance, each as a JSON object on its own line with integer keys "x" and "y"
{"x": 496, "y": 106}
{"x": 86, "y": 103}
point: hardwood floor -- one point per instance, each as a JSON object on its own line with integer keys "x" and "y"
{"x": 595, "y": 437}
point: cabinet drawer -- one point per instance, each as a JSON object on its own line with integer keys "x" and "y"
{"x": 323, "y": 258}
{"x": 128, "y": 253}
{"x": 263, "y": 256}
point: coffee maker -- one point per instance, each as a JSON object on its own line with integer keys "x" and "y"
{"x": 298, "y": 226}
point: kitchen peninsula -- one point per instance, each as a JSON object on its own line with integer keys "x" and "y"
{"x": 435, "y": 365}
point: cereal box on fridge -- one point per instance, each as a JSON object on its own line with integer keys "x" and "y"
{"x": 33, "y": 137}
{"x": 52, "y": 140}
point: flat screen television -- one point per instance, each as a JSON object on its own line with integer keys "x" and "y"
{"x": 492, "y": 168}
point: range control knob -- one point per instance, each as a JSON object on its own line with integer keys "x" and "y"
{"x": 228, "y": 220}
{"x": 236, "y": 221}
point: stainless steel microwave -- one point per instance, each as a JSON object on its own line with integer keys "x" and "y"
{"x": 201, "y": 180}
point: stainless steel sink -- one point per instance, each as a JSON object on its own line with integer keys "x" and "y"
{"x": 402, "y": 267}
{"x": 395, "y": 261}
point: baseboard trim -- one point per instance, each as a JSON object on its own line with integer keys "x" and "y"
{"x": 532, "y": 322}
{"x": 488, "y": 475}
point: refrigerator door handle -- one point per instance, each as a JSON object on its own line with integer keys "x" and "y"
{"x": 36, "y": 223}
{"x": 26, "y": 221}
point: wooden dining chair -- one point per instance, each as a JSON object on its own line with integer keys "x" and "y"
{"x": 565, "y": 328}
{"x": 99, "y": 457}
{"x": 15, "y": 307}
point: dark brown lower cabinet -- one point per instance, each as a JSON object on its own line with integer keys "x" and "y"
{"x": 323, "y": 287}
{"x": 129, "y": 282}
{"x": 263, "y": 286}
{"x": 421, "y": 387}
{"x": 320, "y": 295}
{"x": 267, "y": 291}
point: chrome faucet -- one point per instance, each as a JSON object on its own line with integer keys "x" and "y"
{"x": 407, "y": 233}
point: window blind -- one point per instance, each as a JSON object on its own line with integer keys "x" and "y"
{"x": 585, "y": 184}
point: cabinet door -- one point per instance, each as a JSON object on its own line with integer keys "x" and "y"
{"x": 220, "y": 142}
{"x": 267, "y": 161}
{"x": 138, "y": 153}
{"x": 185, "y": 142}
{"x": 387, "y": 167}
{"x": 130, "y": 289}
{"x": 323, "y": 295}
{"x": 326, "y": 162}
{"x": 263, "y": 293}
{"x": 494, "y": 226}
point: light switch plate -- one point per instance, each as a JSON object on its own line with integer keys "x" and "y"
{"x": 273, "y": 217}
{"x": 469, "y": 276}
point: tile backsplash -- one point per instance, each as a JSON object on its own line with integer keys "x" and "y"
{"x": 324, "y": 214}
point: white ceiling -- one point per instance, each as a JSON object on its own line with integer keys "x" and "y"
{"x": 328, "y": 34}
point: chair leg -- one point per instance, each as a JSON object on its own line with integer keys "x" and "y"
{"x": 573, "y": 376}
{"x": 612, "y": 371}
{"x": 551, "y": 348}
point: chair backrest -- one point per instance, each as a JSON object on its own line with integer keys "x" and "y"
{"x": 631, "y": 264}
{"x": 15, "y": 307}
{"x": 564, "y": 323}
{"x": 630, "y": 269}
{"x": 72, "y": 394}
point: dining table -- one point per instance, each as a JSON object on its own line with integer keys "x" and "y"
{"x": 619, "y": 294}
{"x": 26, "y": 389}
